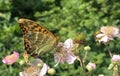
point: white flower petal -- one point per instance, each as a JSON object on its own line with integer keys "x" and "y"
{"x": 21, "y": 74}
{"x": 68, "y": 43}
{"x": 70, "y": 58}
{"x": 57, "y": 57}
{"x": 100, "y": 35}
{"x": 110, "y": 38}
{"x": 103, "y": 29}
{"x": 44, "y": 70}
{"x": 104, "y": 39}
{"x": 116, "y": 32}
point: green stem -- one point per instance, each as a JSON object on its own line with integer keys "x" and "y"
{"x": 79, "y": 58}
{"x": 85, "y": 57}
{"x": 82, "y": 65}
{"x": 10, "y": 69}
{"x": 118, "y": 69}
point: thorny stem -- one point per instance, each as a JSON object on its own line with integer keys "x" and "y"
{"x": 107, "y": 45}
{"x": 82, "y": 64}
{"x": 109, "y": 52}
{"x": 79, "y": 58}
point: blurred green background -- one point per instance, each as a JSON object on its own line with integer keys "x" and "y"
{"x": 65, "y": 18}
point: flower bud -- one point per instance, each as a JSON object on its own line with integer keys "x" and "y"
{"x": 87, "y": 48}
{"x": 91, "y": 66}
{"x": 115, "y": 59}
{"x": 51, "y": 71}
{"x": 101, "y": 75}
{"x": 21, "y": 62}
{"x": 39, "y": 65}
{"x": 111, "y": 66}
{"x": 115, "y": 68}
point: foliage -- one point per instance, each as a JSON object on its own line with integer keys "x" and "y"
{"x": 65, "y": 18}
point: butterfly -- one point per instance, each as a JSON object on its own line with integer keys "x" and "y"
{"x": 37, "y": 39}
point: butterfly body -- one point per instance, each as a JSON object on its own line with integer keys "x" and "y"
{"x": 37, "y": 39}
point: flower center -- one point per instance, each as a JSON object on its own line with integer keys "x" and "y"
{"x": 10, "y": 57}
{"x": 109, "y": 30}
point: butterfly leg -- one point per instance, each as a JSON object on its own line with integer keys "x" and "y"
{"x": 26, "y": 57}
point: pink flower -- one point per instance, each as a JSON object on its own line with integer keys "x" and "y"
{"x": 115, "y": 58}
{"x": 64, "y": 54}
{"x": 107, "y": 33}
{"x": 10, "y": 59}
{"x": 110, "y": 30}
{"x": 91, "y": 66}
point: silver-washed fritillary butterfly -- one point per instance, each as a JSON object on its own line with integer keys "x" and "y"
{"x": 37, "y": 39}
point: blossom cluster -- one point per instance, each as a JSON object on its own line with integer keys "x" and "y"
{"x": 65, "y": 54}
